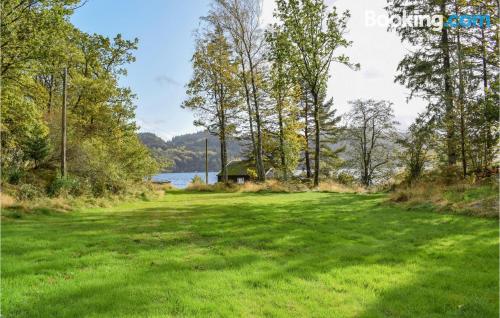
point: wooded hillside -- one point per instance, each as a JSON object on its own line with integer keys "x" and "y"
{"x": 186, "y": 153}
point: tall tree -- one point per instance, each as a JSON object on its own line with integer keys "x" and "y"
{"x": 454, "y": 69}
{"x": 314, "y": 34}
{"x": 427, "y": 70}
{"x": 241, "y": 20}
{"x": 213, "y": 90}
{"x": 371, "y": 128}
{"x": 284, "y": 93}
{"x": 416, "y": 146}
{"x": 330, "y": 136}
{"x": 306, "y": 102}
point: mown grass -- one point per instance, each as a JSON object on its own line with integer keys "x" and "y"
{"x": 250, "y": 255}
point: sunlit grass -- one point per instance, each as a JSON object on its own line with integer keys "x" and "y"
{"x": 253, "y": 255}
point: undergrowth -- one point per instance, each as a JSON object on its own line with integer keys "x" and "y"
{"x": 274, "y": 186}
{"x": 469, "y": 197}
{"x": 15, "y": 203}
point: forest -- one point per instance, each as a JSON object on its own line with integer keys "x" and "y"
{"x": 57, "y": 78}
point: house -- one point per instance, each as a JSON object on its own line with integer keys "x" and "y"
{"x": 238, "y": 171}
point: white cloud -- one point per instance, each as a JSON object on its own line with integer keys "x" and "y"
{"x": 268, "y": 7}
{"x": 159, "y": 128}
{"x": 378, "y": 52}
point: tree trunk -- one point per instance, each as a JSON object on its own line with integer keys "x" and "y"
{"x": 249, "y": 108}
{"x": 282, "y": 140}
{"x": 364, "y": 154}
{"x": 261, "y": 173}
{"x": 306, "y": 136}
{"x": 63, "y": 124}
{"x": 317, "y": 139}
{"x": 448, "y": 91}
{"x": 223, "y": 147}
{"x": 51, "y": 88}
{"x": 487, "y": 129}
{"x": 461, "y": 100}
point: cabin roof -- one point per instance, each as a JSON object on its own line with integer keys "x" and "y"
{"x": 239, "y": 168}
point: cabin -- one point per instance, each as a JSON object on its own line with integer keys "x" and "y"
{"x": 237, "y": 171}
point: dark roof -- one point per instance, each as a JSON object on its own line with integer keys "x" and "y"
{"x": 239, "y": 168}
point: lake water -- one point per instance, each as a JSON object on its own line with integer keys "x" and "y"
{"x": 181, "y": 180}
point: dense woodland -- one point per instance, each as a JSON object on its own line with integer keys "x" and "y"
{"x": 67, "y": 126}
{"x": 103, "y": 154}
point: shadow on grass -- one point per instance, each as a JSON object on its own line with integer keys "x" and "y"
{"x": 166, "y": 251}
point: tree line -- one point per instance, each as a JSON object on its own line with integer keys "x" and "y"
{"x": 268, "y": 86}
{"x": 455, "y": 70}
{"x": 39, "y": 45}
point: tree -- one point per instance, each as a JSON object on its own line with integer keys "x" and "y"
{"x": 306, "y": 102}
{"x": 37, "y": 147}
{"x": 284, "y": 92}
{"x": 427, "y": 70}
{"x": 213, "y": 90}
{"x": 38, "y": 42}
{"x": 371, "y": 129}
{"x": 456, "y": 70}
{"x": 241, "y": 20}
{"x": 314, "y": 34}
{"x": 330, "y": 136}
{"x": 417, "y": 144}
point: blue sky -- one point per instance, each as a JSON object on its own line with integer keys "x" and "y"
{"x": 165, "y": 31}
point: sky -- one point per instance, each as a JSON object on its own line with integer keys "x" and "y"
{"x": 165, "y": 30}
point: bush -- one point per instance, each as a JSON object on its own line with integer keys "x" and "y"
{"x": 345, "y": 179}
{"x": 339, "y": 188}
{"x": 28, "y": 192}
{"x": 197, "y": 180}
{"x": 450, "y": 174}
{"x": 15, "y": 176}
{"x": 62, "y": 186}
{"x": 462, "y": 197}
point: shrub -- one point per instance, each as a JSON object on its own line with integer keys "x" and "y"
{"x": 345, "y": 178}
{"x": 197, "y": 180}
{"x": 62, "y": 186}
{"x": 339, "y": 188}
{"x": 28, "y": 192}
{"x": 450, "y": 174}
{"x": 462, "y": 197}
{"x": 14, "y": 176}
{"x": 252, "y": 173}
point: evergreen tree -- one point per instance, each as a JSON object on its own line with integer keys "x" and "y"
{"x": 314, "y": 34}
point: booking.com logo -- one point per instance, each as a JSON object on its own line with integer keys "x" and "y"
{"x": 437, "y": 22}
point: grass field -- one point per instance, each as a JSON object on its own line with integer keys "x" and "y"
{"x": 250, "y": 255}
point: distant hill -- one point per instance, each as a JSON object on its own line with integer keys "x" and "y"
{"x": 186, "y": 153}
{"x": 152, "y": 141}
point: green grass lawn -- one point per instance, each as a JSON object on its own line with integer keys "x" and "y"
{"x": 250, "y": 255}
